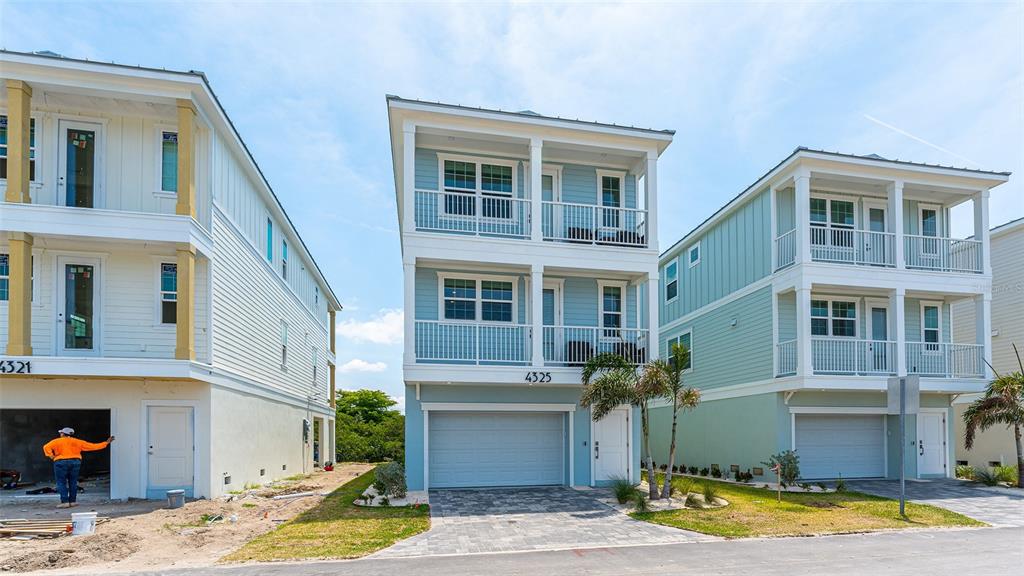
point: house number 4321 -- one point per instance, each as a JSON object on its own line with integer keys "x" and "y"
{"x": 538, "y": 377}
{"x": 15, "y": 367}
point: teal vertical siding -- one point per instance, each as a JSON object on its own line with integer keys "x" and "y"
{"x": 785, "y": 211}
{"x": 413, "y": 440}
{"x": 734, "y": 253}
{"x": 723, "y": 354}
{"x": 787, "y": 316}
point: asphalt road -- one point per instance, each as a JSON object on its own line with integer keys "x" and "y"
{"x": 929, "y": 552}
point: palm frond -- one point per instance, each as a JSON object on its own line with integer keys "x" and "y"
{"x": 688, "y": 398}
{"x": 608, "y": 391}
{"x": 603, "y": 362}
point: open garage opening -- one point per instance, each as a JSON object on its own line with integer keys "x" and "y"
{"x": 26, "y": 470}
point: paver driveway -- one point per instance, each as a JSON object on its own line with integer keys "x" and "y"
{"x": 524, "y": 519}
{"x": 998, "y": 507}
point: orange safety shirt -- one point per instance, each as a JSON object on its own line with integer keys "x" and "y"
{"x": 66, "y": 448}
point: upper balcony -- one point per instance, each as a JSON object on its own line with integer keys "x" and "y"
{"x": 475, "y": 174}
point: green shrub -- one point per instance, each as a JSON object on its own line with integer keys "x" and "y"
{"x": 821, "y": 485}
{"x": 692, "y": 501}
{"x": 389, "y": 480}
{"x": 640, "y": 502}
{"x": 1005, "y": 473}
{"x": 840, "y": 484}
{"x": 964, "y": 471}
{"x": 623, "y": 489}
{"x": 986, "y": 477}
{"x": 683, "y": 487}
{"x": 710, "y": 493}
{"x": 692, "y": 470}
{"x": 704, "y": 471}
{"x": 788, "y": 463}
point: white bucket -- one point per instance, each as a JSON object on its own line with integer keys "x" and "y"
{"x": 83, "y": 523}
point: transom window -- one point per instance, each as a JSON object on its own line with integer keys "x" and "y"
{"x": 169, "y": 161}
{"x": 611, "y": 310}
{"x": 31, "y": 148}
{"x": 684, "y": 339}
{"x": 671, "y": 281}
{"x": 470, "y": 299}
{"x": 168, "y": 293}
{"x": 834, "y": 318}
{"x": 931, "y": 330}
{"x": 470, "y": 185}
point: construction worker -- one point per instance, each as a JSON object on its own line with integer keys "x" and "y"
{"x": 66, "y": 453}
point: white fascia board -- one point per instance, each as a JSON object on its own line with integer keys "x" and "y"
{"x": 47, "y": 220}
{"x": 824, "y": 274}
{"x": 494, "y": 407}
{"x": 73, "y": 367}
{"x": 832, "y": 384}
{"x": 465, "y": 374}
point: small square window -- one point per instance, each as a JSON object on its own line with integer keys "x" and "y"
{"x": 694, "y": 255}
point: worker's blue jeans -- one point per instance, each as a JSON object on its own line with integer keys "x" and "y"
{"x": 66, "y": 473}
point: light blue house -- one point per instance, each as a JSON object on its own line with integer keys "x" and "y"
{"x": 805, "y": 293}
{"x": 528, "y": 245}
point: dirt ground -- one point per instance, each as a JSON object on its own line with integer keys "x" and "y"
{"x": 144, "y": 535}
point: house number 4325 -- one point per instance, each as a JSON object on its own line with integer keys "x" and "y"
{"x": 538, "y": 377}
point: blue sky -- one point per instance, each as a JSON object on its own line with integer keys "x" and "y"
{"x": 742, "y": 84}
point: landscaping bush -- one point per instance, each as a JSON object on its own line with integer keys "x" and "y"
{"x": 692, "y": 470}
{"x": 663, "y": 467}
{"x": 623, "y": 489}
{"x": 985, "y": 477}
{"x": 692, "y": 501}
{"x": 710, "y": 493}
{"x": 840, "y": 484}
{"x": 716, "y": 472}
{"x": 704, "y": 471}
{"x": 1006, "y": 474}
{"x": 964, "y": 471}
{"x": 389, "y": 480}
{"x": 640, "y": 502}
{"x": 789, "y": 465}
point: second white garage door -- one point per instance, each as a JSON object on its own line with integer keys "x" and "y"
{"x": 470, "y": 449}
{"x": 851, "y": 445}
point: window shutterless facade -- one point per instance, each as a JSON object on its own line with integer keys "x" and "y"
{"x": 612, "y": 297}
{"x": 270, "y": 240}
{"x": 168, "y": 293}
{"x": 31, "y": 148}
{"x": 833, "y": 318}
{"x": 5, "y": 278}
{"x": 284, "y": 345}
{"x": 671, "y": 281}
{"x": 284, "y": 259}
{"x": 693, "y": 255}
{"x": 684, "y": 339}
{"x": 931, "y": 325}
{"x": 168, "y": 161}
{"x": 832, "y": 222}
{"x": 486, "y": 299}
{"x": 472, "y": 186}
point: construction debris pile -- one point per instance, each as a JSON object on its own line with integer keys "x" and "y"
{"x": 22, "y": 529}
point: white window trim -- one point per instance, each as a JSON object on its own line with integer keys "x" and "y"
{"x": 158, "y": 261}
{"x": 37, "y": 255}
{"x": 689, "y": 251}
{"x": 675, "y": 262}
{"x": 830, "y": 317}
{"x": 283, "y": 349}
{"x": 99, "y": 194}
{"x": 621, "y": 175}
{"x": 268, "y": 240}
{"x": 924, "y": 345}
{"x": 478, "y": 192}
{"x": 158, "y": 130}
{"x": 677, "y": 338}
{"x": 601, "y": 285}
{"x": 938, "y": 219}
{"x": 442, "y": 276}
{"x": 284, "y": 259}
{"x": 828, "y": 198}
{"x": 315, "y": 359}
{"x": 36, "y": 182}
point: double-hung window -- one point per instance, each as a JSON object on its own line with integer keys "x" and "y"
{"x": 671, "y": 281}
{"x": 834, "y": 318}
{"x": 685, "y": 340}
{"x": 284, "y": 345}
{"x": 931, "y": 327}
{"x": 611, "y": 310}
{"x": 315, "y": 360}
{"x": 611, "y": 196}
{"x": 478, "y": 188}
{"x": 489, "y": 300}
{"x": 284, "y": 259}
{"x": 168, "y": 293}
{"x": 31, "y": 148}
{"x": 168, "y": 162}
{"x": 930, "y": 231}
{"x": 832, "y": 222}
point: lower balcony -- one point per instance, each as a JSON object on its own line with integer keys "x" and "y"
{"x": 574, "y": 345}
{"x": 856, "y": 357}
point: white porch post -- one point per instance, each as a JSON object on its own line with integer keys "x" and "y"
{"x": 897, "y": 303}
{"x": 408, "y": 177}
{"x": 537, "y": 314}
{"x": 896, "y": 219}
{"x": 775, "y": 333}
{"x": 802, "y": 203}
{"x": 653, "y": 305}
{"x": 409, "y": 312}
{"x": 804, "y": 366}
{"x": 651, "y": 199}
{"x": 536, "y": 192}
{"x": 426, "y": 449}
{"x": 983, "y": 330}
{"x": 981, "y": 229}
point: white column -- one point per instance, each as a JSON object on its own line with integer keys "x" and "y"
{"x": 981, "y": 229}
{"x": 408, "y": 177}
{"x": 653, "y": 306}
{"x": 536, "y": 189}
{"x": 775, "y": 333}
{"x": 409, "y": 312}
{"x": 802, "y": 203}
{"x": 426, "y": 449}
{"x": 651, "y": 191}
{"x": 537, "y": 314}
{"x": 896, "y": 219}
{"x": 897, "y": 303}
{"x": 983, "y": 329}
{"x": 803, "y": 332}
{"x": 773, "y": 230}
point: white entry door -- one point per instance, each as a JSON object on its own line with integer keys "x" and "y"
{"x": 78, "y": 306}
{"x": 611, "y": 446}
{"x": 171, "y": 450}
{"x": 931, "y": 443}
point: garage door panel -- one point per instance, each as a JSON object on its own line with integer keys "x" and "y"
{"x": 847, "y": 445}
{"x": 495, "y": 449}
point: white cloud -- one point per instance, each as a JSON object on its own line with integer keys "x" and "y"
{"x": 359, "y": 365}
{"x": 384, "y": 328}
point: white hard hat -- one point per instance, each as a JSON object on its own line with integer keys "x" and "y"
{"x": 66, "y": 430}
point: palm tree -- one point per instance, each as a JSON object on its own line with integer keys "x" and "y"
{"x": 609, "y": 381}
{"x": 1002, "y": 403}
{"x": 681, "y": 396}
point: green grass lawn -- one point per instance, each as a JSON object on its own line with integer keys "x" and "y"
{"x": 336, "y": 528}
{"x": 756, "y": 512}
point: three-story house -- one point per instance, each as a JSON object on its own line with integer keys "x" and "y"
{"x": 803, "y": 295}
{"x": 528, "y": 245}
{"x": 151, "y": 287}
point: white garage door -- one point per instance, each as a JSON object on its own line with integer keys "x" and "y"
{"x": 496, "y": 449}
{"x": 830, "y": 445}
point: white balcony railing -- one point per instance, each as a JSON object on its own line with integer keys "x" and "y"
{"x": 590, "y": 224}
{"x": 472, "y": 343}
{"x": 943, "y": 360}
{"x": 574, "y": 345}
{"x": 785, "y": 250}
{"x": 848, "y": 246}
{"x": 942, "y": 254}
{"x": 852, "y": 356}
{"x": 786, "y": 354}
{"x": 459, "y": 213}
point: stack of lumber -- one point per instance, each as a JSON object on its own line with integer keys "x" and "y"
{"x": 21, "y": 528}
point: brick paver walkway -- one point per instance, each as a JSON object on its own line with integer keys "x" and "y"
{"x": 998, "y": 507}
